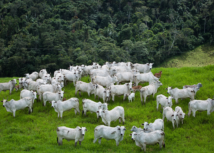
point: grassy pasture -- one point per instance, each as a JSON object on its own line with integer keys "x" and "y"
{"x": 36, "y": 132}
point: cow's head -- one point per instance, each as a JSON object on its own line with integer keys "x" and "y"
{"x": 169, "y": 89}
{"x": 174, "y": 115}
{"x": 122, "y": 130}
{"x": 4, "y": 101}
{"x": 146, "y": 126}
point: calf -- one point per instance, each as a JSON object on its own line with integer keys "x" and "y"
{"x": 180, "y": 112}
{"x": 8, "y": 86}
{"x": 12, "y": 105}
{"x": 76, "y": 134}
{"x": 109, "y": 133}
{"x": 151, "y": 89}
{"x": 50, "y": 96}
{"x": 119, "y": 90}
{"x": 201, "y": 105}
{"x": 131, "y": 96}
{"x": 136, "y": 88}
{"x": 142, "y": 139}
{"x": 164, "y": 101}
{"x": 28, "y": 93}
{"x": 157, "y": 125}
{"x": 84, "y": 87}
{"x": 170, "y": 115}
{"x": 112, "y": 115}
{"x": 181, "y": 93}
{"x": 158, "y": 75}
{"x": 61, "y": 106}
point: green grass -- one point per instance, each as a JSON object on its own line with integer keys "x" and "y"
{"x": 201, "y": 56}
{"x": 36, "y": 132}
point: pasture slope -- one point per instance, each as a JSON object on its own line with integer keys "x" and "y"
{"x": 37, "y": 132}
{"x": 201, "y": 56}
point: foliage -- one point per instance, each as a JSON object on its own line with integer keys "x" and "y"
{"x": 34, "y": 34}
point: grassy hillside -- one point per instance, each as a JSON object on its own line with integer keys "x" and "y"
{"x": 37, "y": 132}
{"x": 201, "y": 56}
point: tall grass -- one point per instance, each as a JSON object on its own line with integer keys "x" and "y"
{"x": 36, "y": 132}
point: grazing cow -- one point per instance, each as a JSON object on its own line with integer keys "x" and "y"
{"x": 181, "y": 93}
{"x": 109, "y": 133}
{"x": 8, "y": 86}
{"x": 48, "y": 87}
{"x": 32, "y": 76}
{"x": 142, "y": 139}
{"x": 50, "y": 96}
{"x": 27, "y": 93}
{"x": 143, "y": 68}
{"x": 145, "y": 77}
{"x": 89, "y": 105}
{"x": 101, "y": 92}
{"x": 76, "y": 134}
{"x": 151, "y": 89}
{"x": 135, "y": 129}
{"x": 131, "y": 96}
{"x": 181, "y": 114}
{"x": 201, "y": 105}
{"x": 118, "y": 90}
{"x": 104, "y": 81}
{"x": 158, "y": 75}
{"x": 170, "y": 115}
{"x": 164, "y": 101}
{"x": 112, "y": 115}
{"x": 196, "y": 87}
{"x": 12, "y": 105}
{"x": 84, "y": 87}
{"x": 157, "y": 125}
{"x": 61, "y": 106}
{"x": 136, "y": 88}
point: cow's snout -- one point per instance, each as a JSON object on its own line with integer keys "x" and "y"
{"x": 132, "y": 139}
{"x": 3, "y": 105}
{"x": 83, "y": 134}
{"x": 168, "y": 92}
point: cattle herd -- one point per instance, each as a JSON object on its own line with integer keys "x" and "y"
{"x": 105, "y": 84}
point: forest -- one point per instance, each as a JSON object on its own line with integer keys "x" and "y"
{"x": 53, "y": 34}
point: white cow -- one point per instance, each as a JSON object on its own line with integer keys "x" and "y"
{"x": 99, "y": 72}
{"x": 135, "y": 129}
{"x": 31, "y": 85}
{"x": 42, "y": 73}
{"x": 61, "y": 106}
{"x": 47, "y": 78}
{"x": 41, "y": 81}
{"x": 109, "y": 133}
{"x": 142, "y": 139}
{"x": 89, "y": 105}
{"x": 27, "y": 93}
{"x": 76, "y": 134}
{"x": 32, "y": 76}
{"x": 145, "y": 77}
{"x": 157, "y": 125}
{"x": 84, "y": 87}
{"x": 170, "y": 115}
{"x": 180, "y": 112}
{"x": 104, "y": 81}
{"x": 48, "y": 87}
{"x": 50, "y": 96}
{"x": 118, "y": 90}
{"x": 201, "y": 105}
{"x": 112, "y": 115}
{"x": 101, "y": 92}
{"x": 164, "y": 101}
{"x": 8, "y": 86}
{"x": 143, "y": 68}
{"x": 181, "y": 93}
{"x": 72, "y": 76}
{"x": 12, "y": 105}
{"x": 124, "y": 77}
{"x": 151, "y": 89}
{"x": 196, "y": 87}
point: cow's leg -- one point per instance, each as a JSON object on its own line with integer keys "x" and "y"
{"x": 144, "y": 147}
{"x": 193, "y": 112}
{"x": 189, "y": 111}
{"x": 100, "y": 140}
{"x": 14, "y": 113}
{"x": 95, "y": 139}
{"x": 124, "y": 97}
{"x": 61, "y": 113}
{"x": 145, "y": 99}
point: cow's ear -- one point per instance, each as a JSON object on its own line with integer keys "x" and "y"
{"x": 118, "y": 128}
{"x": 130, "y": 134}
{"x": 166, "y": 88}
{"x": 2, "y": 101}
{"x": 166, "y": 98}
{"x": 86, "y": 130}
{"x": 105, "y": 91}
{"x": 172, "y": 114}
{"x": 142, "y": 124}
{"x": 80, "y": 129}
